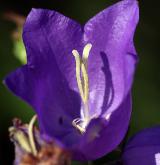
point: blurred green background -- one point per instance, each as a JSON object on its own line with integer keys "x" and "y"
{"x": 146, "y": 90}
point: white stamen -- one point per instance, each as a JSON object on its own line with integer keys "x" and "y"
{"x": 83, "y": 85}
{"x": 78, "y": 72}
{"x": 31, "y": 136}
{"x": 21, "y": 138}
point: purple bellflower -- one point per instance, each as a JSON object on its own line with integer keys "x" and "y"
{"x": 143, "y": 148}
{"x": 78, "y": 78}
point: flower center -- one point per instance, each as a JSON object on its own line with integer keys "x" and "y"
{"x": 83, "y": 86}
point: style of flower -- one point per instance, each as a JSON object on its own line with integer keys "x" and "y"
{"x": 78, "y": 78}
{"x": 143, "y": 148}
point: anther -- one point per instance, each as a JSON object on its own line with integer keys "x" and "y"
{"x": 78, "y": 72}
{"x": 20, "y": 138}
{"x": 31, "y": 135}
{"x": 85, "y": 80}
{"x": 83, "y": 84}
{"x": 86, "y": 52}
{"x": 81, "y": 67}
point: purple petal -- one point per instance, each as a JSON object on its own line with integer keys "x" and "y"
{"x": 48, "y": 80}
{"x": 49, "y": 38}
{"x": 113, "y": 57}
{"x": 143, "y": 148}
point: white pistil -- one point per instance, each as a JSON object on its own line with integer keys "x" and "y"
{"x": 31, "y": 136}
{"x": 83, "y": 86}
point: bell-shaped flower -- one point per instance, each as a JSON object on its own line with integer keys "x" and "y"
{"x": 78, "y": 78}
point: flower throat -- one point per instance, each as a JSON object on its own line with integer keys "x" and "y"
{"x": 83, "y": 86}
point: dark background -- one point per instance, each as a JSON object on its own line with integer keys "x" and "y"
{"x": 146, "y": 89}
